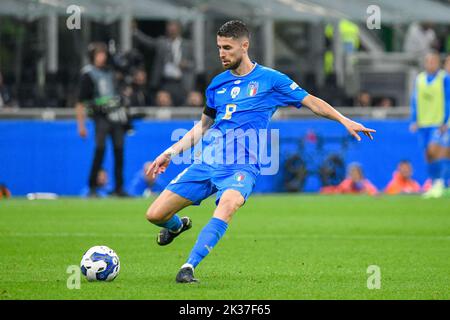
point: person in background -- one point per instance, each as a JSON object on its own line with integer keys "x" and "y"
{"x": 420, "y": 39}
{"x": 445, "y": 139}
{"x": 430, "y": 111}
{"x": 99, "y": 94}
{"x": 363, "y": 99}
{"x": 138, "y": 92}
{"x": 6, "y": 100}
{"x": 163, "y": 99}
{"x": 143, "y": 185}
{"x": 103, "y": 186}
{"x": 386, "y": 103}
{"x": 402, "y": 181}
{"x": 173, "y": 68}
{"x": 355, "y": 183}
{"x": 4, "y": 191}
{"x": 194, "y": 99}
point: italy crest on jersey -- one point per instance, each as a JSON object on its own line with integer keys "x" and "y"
{"x": 239, "y": 176}
{"x": 252, "y": 88}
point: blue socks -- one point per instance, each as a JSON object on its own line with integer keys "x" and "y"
{"x": 435, "y": 169}
{"x": 174, "y": 224}
{"x": 446, "y": 172}
{"x": 206, "y": 240}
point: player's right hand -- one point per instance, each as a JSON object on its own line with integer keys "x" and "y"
{"x": 82, "y": 131}
{"x": 159, "y": 165}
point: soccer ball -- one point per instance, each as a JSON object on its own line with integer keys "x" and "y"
{"x": 100, "y": 263}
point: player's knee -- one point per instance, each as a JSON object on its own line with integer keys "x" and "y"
{"x": 229, "y": 205}
{"x": 233, "y": 205}
{"x": 155, "y": 214}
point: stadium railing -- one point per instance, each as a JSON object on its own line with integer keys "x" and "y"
{"x": 168, "y": 113}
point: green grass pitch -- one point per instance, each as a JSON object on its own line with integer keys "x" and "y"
{"x": 277, "y": 247}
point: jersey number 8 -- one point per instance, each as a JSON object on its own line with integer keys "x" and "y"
{"x": 230, "y": 108}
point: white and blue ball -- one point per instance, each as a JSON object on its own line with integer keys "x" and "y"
{"x": 100, "y": 263}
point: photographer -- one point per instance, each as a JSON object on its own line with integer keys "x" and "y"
{"x": 98, "y": 93}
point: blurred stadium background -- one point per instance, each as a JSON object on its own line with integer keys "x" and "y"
{"x": 333, "y": 49}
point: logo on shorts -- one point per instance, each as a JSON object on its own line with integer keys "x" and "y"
{"x": 239, "y": 177}
{"x": 252, "y": 88}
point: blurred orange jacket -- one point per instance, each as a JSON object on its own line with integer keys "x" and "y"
{"x": 398, "y": 184}
{"x": 348, "y": 186}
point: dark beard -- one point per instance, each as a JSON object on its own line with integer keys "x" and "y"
{"x": 234, "y": 66}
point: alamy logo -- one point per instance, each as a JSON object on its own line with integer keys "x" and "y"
{"x": 73, "y": 22}
{"x": 255, "y": 147}
{"x": 374, "y": 19}
{"x": 374, "y": 279}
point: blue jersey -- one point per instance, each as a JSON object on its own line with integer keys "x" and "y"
{"x": 244, "y": 106}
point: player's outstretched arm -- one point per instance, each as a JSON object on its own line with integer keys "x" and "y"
{"x": 323, "y": 109}
{"x": 189, "y": 139}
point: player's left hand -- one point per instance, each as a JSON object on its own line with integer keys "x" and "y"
{"x": 354, "y": 127}
{"x": 159, "y": 165}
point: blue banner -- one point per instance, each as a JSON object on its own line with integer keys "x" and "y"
{"x": 49, "y": 156}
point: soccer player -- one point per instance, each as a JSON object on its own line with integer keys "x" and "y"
{"x": 240, "y": 99}
{"x": 430, "y": 111}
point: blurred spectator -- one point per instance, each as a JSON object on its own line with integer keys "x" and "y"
{"x": 420, "y": 39}
{"x": 349, "y": 35}
{"x": 430, "y": 109}
{"x": 137, "y": 92}
{"x": 402, "y": 181}
{"x": 103, "y": 186}
{"x": 354, "y": 183}
{"x": 173, "y": 68}
{"x": 4, "y": 191}
{"x": 427, "y": 185}
{"x": 385, "y": 103}
{"x": 144, "y": 186}
{"x": 163, "y": 99}
{"x": 363, "y": 99}
{"x": 194, "y": 99}
{"x": 6, "y": 100}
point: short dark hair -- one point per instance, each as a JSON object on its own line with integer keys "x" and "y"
{"x": 404, "y": 161}
{"x": 234, "y": 29}
{"x": 95, "y": 47}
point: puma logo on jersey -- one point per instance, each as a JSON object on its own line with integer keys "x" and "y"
{"x": 223, "y": 90}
